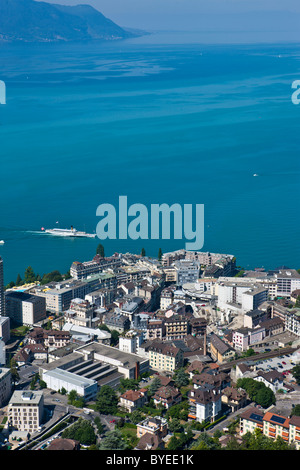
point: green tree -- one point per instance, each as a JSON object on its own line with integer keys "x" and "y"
{"x": 295, "y": 410}
{"x": 249, "y": 352}
{"x": 175, "y": 425}
{"x": 143, "y": 252}
{"x": 29, "y": 276}
{"x": 19, "y": 280}
{"x": 10, "y": 285}
{"x": 14, "y": 372}
{"x": 179, "y": 411}
{"x": 205, "y": 442}
{"x": 107, "y": 400}
{"x": 104, "y": 328}
{"x": 128, "y": 384}
{"x": 155, "y": 384}
{"x": 99, "y": 425}
{"x": 114, "y": 337}
{"x": 100, "y": 250}
{"x": 296, "y": 373}
{"x": 53, "y": 276}
{"x": 43, "y": 384}
{"x": 180, "y": 442}
{"x": 174, "y": 443}
{"x": 136, "y": 416}
{"x": 160, "y": 253}
{"x": 280, "y": 444}
{"x": 217, "y": 434}
{"x": 257, "y": 392}
{"x": 72, "y": 397}
{"x": 81, "y": 431}
{"x": 233, "y": 444}
{"x": 79, "y": 402}
{"x": 258, "y": 441}
{"x": 67, "y": 275}
{"x": 181, "y": 378}
{"x": 240, "y": 273}
{"x": 265, "y": 397}
{"x": 32, "y": 384}
{"x": 113, "y": 440}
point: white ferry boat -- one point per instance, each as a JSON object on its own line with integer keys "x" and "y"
{"x": 66, "y": 232}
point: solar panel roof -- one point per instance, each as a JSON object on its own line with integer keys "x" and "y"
{"x": 256, "y": 417}
{"x": 277, "y": 419}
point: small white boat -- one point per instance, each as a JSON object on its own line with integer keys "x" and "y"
{"x": 2, "y": 242}
{"x": 255, "y": 174}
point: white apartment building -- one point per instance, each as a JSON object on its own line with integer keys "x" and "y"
{"x": 253, "y": 298}
{"x": 288, "y": 280}
{"x": 25, "y": 410}
{"x": 34, "y": 310}
{"x": 292, "y": 321}
{"x": 24, "y": 308}
{"x": 205, "y": 404}
{"x": 131, "y": 342}
{"x": 240, "y": 297}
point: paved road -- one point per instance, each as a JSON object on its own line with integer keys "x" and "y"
{"x": 227, "y": 421}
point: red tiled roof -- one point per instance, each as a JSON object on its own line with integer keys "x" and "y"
{"x": 133, "y": 395}
{"x": 269, "y": 415}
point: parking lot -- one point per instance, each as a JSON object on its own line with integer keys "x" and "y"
{"x": 285, "y": 403}
{"x": 282, "y": 364}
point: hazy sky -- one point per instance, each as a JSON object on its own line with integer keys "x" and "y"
{"x": 168, "y": 14}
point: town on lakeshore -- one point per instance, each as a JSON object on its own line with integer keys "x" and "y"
{"x": 186, "y": 351}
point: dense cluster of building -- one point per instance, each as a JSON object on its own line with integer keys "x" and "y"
{"x": 188, "y": 309}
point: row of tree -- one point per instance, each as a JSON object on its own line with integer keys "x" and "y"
{"x": 30, "y": 277}
{"x": 101, "y": 252}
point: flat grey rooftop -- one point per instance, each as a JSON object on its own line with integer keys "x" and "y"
{"x": 112, "y": 354}
{"x": 75, "y": 379}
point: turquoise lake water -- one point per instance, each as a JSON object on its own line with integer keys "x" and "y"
{"x": 179, "y": 121}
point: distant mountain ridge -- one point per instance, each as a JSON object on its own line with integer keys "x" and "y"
{"x": 31, "y": 21}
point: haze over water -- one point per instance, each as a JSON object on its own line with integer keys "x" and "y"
{"x": 166, "y": 118}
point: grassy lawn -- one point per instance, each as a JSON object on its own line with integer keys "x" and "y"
{"x": 19, "y": 331}
{"x": 129, "y": 433}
